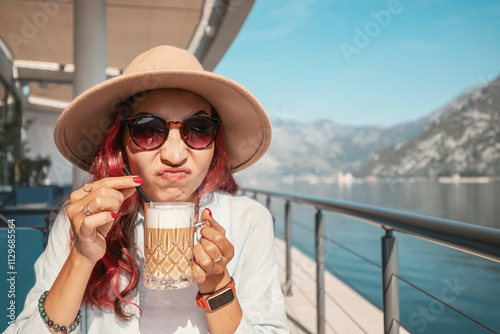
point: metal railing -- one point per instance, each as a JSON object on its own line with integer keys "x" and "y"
{"x": 477, "y": 240}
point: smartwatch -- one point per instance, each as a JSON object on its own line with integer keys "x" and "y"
{"x": 217, "y": 299}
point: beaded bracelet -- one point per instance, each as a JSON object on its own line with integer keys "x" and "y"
{"x": 50, "y": 323}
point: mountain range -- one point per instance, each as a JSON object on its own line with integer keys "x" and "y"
{"x": 462, "y": 137}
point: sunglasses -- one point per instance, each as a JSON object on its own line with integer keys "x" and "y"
{"x": 150, "y": 132}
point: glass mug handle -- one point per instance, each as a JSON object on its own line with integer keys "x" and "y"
{"x": 197, "y": 229}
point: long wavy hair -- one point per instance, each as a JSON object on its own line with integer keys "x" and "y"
{"x": 121, "y": 259}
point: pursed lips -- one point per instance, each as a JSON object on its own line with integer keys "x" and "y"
{"x": 174, "y": 173}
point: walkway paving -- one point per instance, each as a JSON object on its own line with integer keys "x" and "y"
{"x": 345, "y": 310}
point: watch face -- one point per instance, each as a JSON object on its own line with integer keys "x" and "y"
{"x": 220, "y": 300}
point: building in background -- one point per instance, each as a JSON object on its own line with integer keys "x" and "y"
{"x": 37, "y": 71}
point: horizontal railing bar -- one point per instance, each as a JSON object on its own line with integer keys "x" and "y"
{"x": 336, "y": 243}
{"x": 478, "y": 240}
{"x": 306, "y": 295}
{"x": 352, "y": 286}
{"x": 346, "y": 313}
{"x": 443, "y": 303}
{"x": 347, "y": 249}
{"x": 305, "y": 227}
{"x": 331, "y": 327}
{"x": 307, "y": 274}
{"x": 342, "y": 278}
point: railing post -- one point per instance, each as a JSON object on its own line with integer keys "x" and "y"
{"x": 320, "y": 272}
{"x": 390, "y": 283}
{"x": 268, "y": 206}
{"x": 288, "y": 240}
{"x": 255, "y": 195}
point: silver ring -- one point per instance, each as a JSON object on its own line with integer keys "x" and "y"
{"x": 91, "y": 187}
{"x": 87, "y": 211}
{"x": 113, "y": 192}
{"x": 220, "y": 257}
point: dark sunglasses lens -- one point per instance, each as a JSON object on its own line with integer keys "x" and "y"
{"x": 149, "y": 132}
{"x": 198, "y": 132}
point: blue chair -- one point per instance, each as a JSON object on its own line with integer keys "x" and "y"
{"x": 17, "y": 274}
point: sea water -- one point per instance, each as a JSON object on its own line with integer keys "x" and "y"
{"x": 469, "y": 284}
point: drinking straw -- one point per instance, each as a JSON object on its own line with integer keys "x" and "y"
{"x": 146, "y": 199}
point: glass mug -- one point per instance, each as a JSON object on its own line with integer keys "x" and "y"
{"x": 169, "y": 233}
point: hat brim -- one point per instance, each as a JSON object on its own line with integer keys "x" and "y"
{"x": 247, "y": 128}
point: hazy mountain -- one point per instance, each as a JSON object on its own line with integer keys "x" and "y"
{"x": 463, "y": 137}
{"x": 324, "y": 148}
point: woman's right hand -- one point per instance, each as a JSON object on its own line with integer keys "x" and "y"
{"x": 92, "y": 211}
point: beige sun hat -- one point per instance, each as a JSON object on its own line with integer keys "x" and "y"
{"x": 247, "y": 128}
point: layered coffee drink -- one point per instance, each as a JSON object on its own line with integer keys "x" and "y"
{"x": 169, "y": 252}
{"x": 168, "y": 245}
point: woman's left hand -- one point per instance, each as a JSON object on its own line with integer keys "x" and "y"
{"x": 211, "y": 256}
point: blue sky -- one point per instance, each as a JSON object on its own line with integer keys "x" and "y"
{"x": 363, "y": 62}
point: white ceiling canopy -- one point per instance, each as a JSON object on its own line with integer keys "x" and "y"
{"x": 38, "y": 37}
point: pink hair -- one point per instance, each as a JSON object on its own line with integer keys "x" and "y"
{"x": 121, "y": 258}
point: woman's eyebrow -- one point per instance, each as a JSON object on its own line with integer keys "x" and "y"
{"x": 198, "y": 113}
{"x": 201, "y": 113}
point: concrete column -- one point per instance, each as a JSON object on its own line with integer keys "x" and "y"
{"x": 89, "y": 56}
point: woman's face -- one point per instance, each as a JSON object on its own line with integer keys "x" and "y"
{"x": 173, "y": 171}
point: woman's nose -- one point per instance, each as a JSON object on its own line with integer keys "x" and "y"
{"x": 174, "y": 152}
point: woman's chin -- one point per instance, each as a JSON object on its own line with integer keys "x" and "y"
{"x": 172, "y": 195}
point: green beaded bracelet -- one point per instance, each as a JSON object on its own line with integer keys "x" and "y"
{"x": 50, "y": 323}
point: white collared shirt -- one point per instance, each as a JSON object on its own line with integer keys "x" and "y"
{"x": 249, "y": 228}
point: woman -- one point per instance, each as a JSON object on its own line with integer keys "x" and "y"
{"x": 149, "y": 120}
